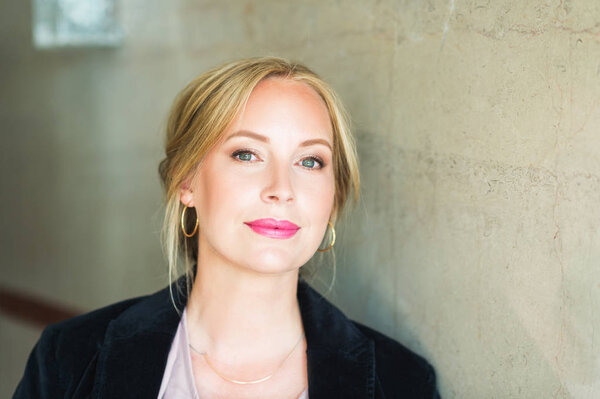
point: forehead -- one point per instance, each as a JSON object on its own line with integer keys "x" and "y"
{"x": 278, "y": 105}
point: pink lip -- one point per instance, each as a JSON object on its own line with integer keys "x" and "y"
{"x": 273, "y": 228}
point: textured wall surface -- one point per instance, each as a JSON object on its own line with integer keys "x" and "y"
{"x": 477, "y": 239}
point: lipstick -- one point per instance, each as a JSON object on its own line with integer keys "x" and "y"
{"x": 272, "y": 228}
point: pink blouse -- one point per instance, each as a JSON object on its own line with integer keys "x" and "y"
{"x": 178, "y": 379}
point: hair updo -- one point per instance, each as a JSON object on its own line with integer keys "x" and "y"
{"x": 203, "y": 110}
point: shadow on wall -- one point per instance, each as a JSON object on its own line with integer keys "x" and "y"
{"x": 431, "y": 234}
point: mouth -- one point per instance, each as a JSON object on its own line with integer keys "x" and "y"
{"x": 280, "y": 229}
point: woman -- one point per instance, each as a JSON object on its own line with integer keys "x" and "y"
{"x": 259, "y": 164}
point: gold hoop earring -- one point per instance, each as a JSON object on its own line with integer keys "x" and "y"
{"x": 183, "y": 224}
{"x": 332, "y": 239}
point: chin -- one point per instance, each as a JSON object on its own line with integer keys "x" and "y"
{"x": 273, "y": 262}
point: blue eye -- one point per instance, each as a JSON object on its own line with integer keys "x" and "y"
{"x": 308, "y": 163}
{"x": 312, "y": 163}
{"x": 244, "y": 156}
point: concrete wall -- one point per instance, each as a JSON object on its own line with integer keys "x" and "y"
{"x": 477, "y": 240}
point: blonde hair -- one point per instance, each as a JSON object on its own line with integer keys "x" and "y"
{"x": 202, "y": 112}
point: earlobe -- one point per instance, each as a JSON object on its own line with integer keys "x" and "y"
{"x": 333, "y": 216}
{"x": 186, "y": 195}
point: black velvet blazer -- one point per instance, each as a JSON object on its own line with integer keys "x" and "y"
{"x": 121, "y": 351}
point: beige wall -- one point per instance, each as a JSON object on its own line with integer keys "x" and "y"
{"x": 477, "y": 241}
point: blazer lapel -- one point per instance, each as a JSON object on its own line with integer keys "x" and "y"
{"x": 132, "y": 359}
{"x": 136, "y": 347}
{"x": 341, "y": 360}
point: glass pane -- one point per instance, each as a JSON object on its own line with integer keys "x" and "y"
{"x": 59, "y": 23}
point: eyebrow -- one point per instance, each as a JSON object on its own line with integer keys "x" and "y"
{"x": 264, "y": 139}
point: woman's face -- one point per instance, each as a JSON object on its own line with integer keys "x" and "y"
{"x": 264, "y": 193}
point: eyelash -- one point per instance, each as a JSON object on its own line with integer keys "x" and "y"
{"x": 315, "y": 158}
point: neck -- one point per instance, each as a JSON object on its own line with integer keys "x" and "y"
{"x": 239, "y": 314}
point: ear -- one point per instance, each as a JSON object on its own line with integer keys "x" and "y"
{"x": 333, "y": 218}
{"x": 186, "y": 195}
{"x": 334, "y": 214}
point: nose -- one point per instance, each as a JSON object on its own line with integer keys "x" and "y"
{"x": 279, "y": 186}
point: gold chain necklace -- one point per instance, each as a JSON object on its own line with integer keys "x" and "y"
{"x": 247, "y": 382}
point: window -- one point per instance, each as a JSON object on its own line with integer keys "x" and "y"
{"x": 62, "y": 23}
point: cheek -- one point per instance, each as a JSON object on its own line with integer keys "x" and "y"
{"x": 329, "y": 205}
{"x": 222, "y": 194}
{"x": 319, "y": 197}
